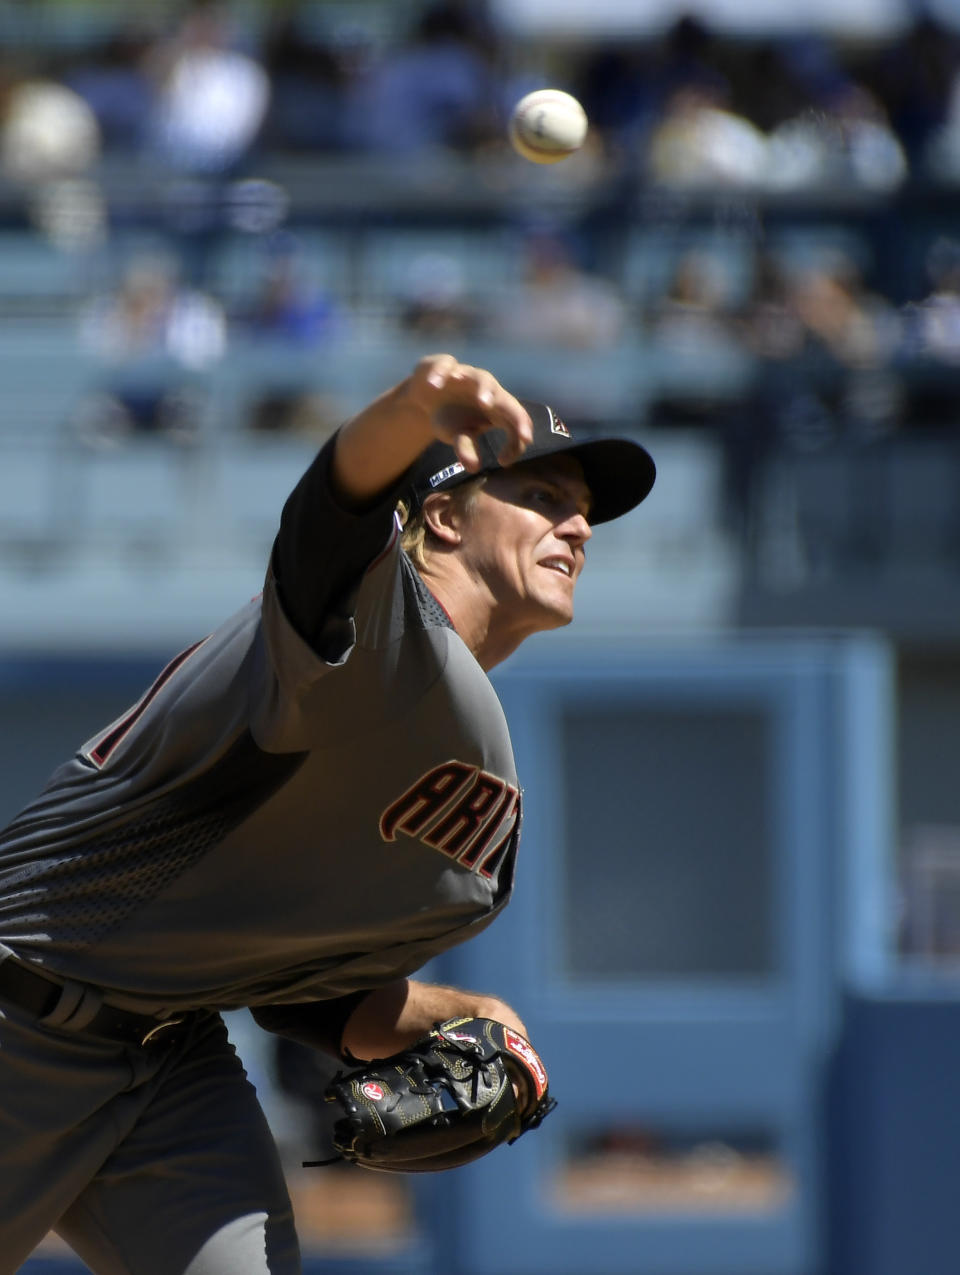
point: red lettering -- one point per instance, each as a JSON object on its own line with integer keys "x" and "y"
{"x": 476, "y": 848}
{"x": 426, "y": 799}
{"x": 492, "y": 861}
{"x": 454, "y": 833}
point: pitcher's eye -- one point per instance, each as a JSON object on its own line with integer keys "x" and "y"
{"x": 543, "y": 495}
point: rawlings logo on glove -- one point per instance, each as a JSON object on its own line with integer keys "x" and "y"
{"x": 450, "y": 1098}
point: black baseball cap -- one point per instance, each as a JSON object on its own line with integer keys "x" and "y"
{"x": 618, "y": 471}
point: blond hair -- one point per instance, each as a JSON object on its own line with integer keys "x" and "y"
{"x": 415, "y": 535}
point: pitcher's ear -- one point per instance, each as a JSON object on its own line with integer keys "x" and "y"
{"x": 443, "y": 517}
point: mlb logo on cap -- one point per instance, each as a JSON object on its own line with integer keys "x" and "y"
{"x": 450, "y": 472}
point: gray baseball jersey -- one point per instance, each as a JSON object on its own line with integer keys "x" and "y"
{"x": 315, "y": 799}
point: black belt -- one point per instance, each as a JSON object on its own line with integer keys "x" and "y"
{"x": 39, "y": 995}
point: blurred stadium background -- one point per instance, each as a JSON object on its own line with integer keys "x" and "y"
{"x": 736, "y": 936}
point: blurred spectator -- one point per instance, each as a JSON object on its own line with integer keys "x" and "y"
{"x": 211, "y": 98}
{"x": 620, "y": 93}
{"x": 689, "y": 57}
{"x": 846, "y": 139}
{"x": 825, "y": 344}
{"x": 913, "y": 77}
{"x": 822, "y": 305}
{"x": 434, "y": 301}
{"x": 768, "y": 323}
{"x": 943, "y": 153}
{"x": 627, "y": 88}
{"x": 287, "y": 410}
{"x": 440, "y": 89}
{"x": 856, "y": 326}
{"x": 49, "y": 147}
{"x": 700, "y": 142}
{"x": 211, "y": 101}
{"x": 692, "y": 315}
{"x": 557, "y": 302}
{"x": 933, "y": 324}
{"x": 151, "y": 313}
{"x": 309, "y": 80}
{"x": 152, "y": 338}
{"x": 289, "y": 304}
{"x": 112, "y": 80}
{"x": 47, "y": 131}
{"x": 771, "y": 86}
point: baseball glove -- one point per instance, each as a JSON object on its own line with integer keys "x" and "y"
{"x": 443, "y": 1102}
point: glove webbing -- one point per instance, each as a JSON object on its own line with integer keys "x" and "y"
{"x": 418, "y": 1070}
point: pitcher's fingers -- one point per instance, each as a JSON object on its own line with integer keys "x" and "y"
{"x": 503, "y": 411}
{"x": 466, "y": 449}
{"x": 436, "y": 369}
{"x": 518, "y": 428}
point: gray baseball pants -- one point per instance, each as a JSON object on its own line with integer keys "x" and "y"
{"x": 147, "y": 1162}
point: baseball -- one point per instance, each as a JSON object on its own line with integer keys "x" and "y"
{"x": 547, "y": 125}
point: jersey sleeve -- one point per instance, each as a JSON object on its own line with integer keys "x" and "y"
{"x": 321, "y": 552}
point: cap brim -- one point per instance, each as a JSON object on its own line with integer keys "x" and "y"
{"x": 619, "y": 473}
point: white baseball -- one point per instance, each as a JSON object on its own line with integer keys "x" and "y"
{"x": 547, "y": 125}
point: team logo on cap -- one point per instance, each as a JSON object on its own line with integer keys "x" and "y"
{"x": 556, "y": 424}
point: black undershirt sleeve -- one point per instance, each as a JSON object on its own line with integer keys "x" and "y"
{"x": 318, "y": 1024}
{"x": 322, "y": 550}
